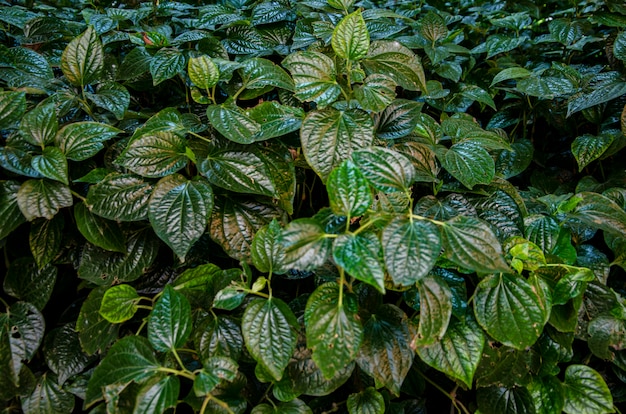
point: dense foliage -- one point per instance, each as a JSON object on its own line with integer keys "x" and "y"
{"x": 317, "y": 206}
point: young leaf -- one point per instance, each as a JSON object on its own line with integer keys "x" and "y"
{"x": 385, "y": 353}
{"x": 165, "y": 64}
{"x": 63, "y": 353}
{"x": 469, "y": 242}
{"x": 12, "y": 108}
{"x": 367, "y": 401}
{"x": 435, "y": 310}
{"x": 51, "y": 164}
{"x": 586, "y": 392}
{"x": 40, "y": 125}
{"x": 333, "y": 329}
{"x": 99, "y": 231}
{"x": 26, "y": 281}
{"x": 470, "y": 163}
{"x": 121, "y": 197}
{"x": 203, "y": 72}
{"x": 458, "y": 353}
{"x": 48, "y": 397}
{"x": 94, "y": 332}
{"x": 169, "y": 325}
{"x": 510, "y": 309}
{"x": 82, "y": 140}
{"x": 392, "y": 59}
{"x": 158, "y": 396}
{"x": 386, "y": 169}
{"x": 411, "y": 248}
{"x": 361, "y": 256}
{"x": 305, "y": 243}
{"x": 43, "y": 198}
{"x": 45, "y": 239}
{"x": 82, "y": 60}
{"x": 129, "y": 359}
{"x": 314, "y": 77}
{"x": 179, "y": 211}
{"x": 330, "y": 136}
{"x": 155, "y": 155}
{"x": 10, "y": 215}
{"x": 350, "y": 39}
{"x": 267, "y": 253}
{"x": 348, "y": 192}
{"x": 269, "y": 329}
{"x": 119, "y": 303}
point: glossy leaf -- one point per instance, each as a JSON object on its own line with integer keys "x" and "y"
{"x": 435, "y": 310}
{"x": 510, "y": 309}
{"x": 588, "y": 148}
{"x": 333, "y": 329}
{"x": 94, "y": 332}
{"x": 411, "y": 248}
{"x": 82, "y": 140}
{"x": 392, "y": 59}
{"x": 232, "y": 122}
{"x": 158, "y": 396}
{"x": 43, "y": 198}
{"x": 385, "y": 169}
{"x": 314, "y": 76}
{"x": 39, "y": 126}
{"x": 348, "y": 192}
{"x": 330, "y": 136}
{"x": 99, "y": 231}
{"x": 600, "y": 212}
{"x": 82, "y": 60}
{"x": 26, "y": 281}
{"x": 269, "y": 329}
{"x": 45, "y": 239}
{"x": 63, "y": 353}
{"x": 548, "y": 395}
{"x": 458, "y": 353}
{"x": 218, "y": 336}
{"x": 500, "y": 400}
{"x": 112, "y": 97}
{"x": 267, "y": 253}
{"x": 179, "y": 211}
{"x": 12, "y": 107}
{"x": 295, "y": 406}
{"x": 469, "y": 163}
{"x": 10, "y": 215}
{"x": 203, "y": 72}
{"x": 122, "y": 197}
{"x": 275, "y": 120}
{"x": 155, "y": 155}
{"x": 399, "y": 119}
{"x": 305, "y": 243}
{"x": 119, "y": 303}
{"x": 586, "y": 391}
{"x": 51, "y": 164}
{"x": 48, "y": 397}
{"x": 470, "y": 243}
{"x": 361, "y": 256}
{"x": 169, "y": 325}
{"x": 376, "y": 93}
{"x": 257, "y": 73}
{"x": 165, "y": 64}
{"x": 368, "y": 401}
{"x": 350, "y": 38}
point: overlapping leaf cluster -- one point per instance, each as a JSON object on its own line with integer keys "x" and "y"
{"x": 313, "y": 206}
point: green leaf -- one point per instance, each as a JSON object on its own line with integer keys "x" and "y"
{"x": 433, "y": 27}
{"x": 203, "y": 72}
{"x": 82, "y": 140}
{"x": 515, "y": 72}
{"x": 217, "y": 336}
{"x": 119, "y": 303}
{"x": 510, "y": 309}
{"x": 121, "y": 197}
{"x": 330, "y": 136}
{"x": 24, "y": 280}
{"x": 586, "y": 392}
{"x": 512, "y": 163}
{"x": 155, "y": 155}
{"x": 469, "y": 242}
{"x": 361, "y": 256}
{"x": 387, "y": 170}
{"x": 129, "y": 359}
{"x": 435, "y": 310}
{"x": 350, "y": 39}
{"x": 51, "y": 164}
{"x": 295, "y": 406}
{"x": 368, "y": 401}
{"x": 257, "y": 73}
{"x": 314, "y": 77}
{"x": 588, "y": 148}
{"x": 105, "y": 268}
{"x": 43, "y": 198}
{"x": 63, "y": 353}
{"x": 12, "y": 108}
{"x": 98, "y": 231}
{"x": 599, "y": 212}
{"x": 548, "y": 395}
{"x": 45, "y": 239}
{"x": 158, "y": 396}
{"x": 269, "y": 329}
{"x": 398, "y": 119}
{"x": 94, "y": 332}
{"x": 17, "y": 161}
{"x": 385, "y": 353}
{"x": 233, "y": 123}
{"x": 82, "y": 60}
{"x": 333, "y": 328}
{"x": 619, "y": 46}
{"x": 500, "y": 400}
{"x": 40, "y": 125}
{"x": 275, "y": 120}
{"x": 376, "y": 93}
{"x": 348, "y": 191}
{"x": 606, "y": 333}
{"x": 601, "y": 93}
{"x": 113, "y": 97}
{"x": 10, "y": 215}
{"x": 48, "y": 397}
{"x": 470, "y": 163}
{"x": 306, "y": 244}
{"x": 458, "y": 353}
{"x": 411, "y": 248}
{"x": 165, "y": 64}
{"x": 169, "y": 325}
{"x": 392, "y": 59}
{"x": 267, "y": 253}
{"x": 179, "y": 211}
{"x": 235, "y": 222}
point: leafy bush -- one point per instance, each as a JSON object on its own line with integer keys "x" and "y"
{"x": 317, "y": 206}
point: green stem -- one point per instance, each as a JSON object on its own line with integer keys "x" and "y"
{"x": 143, "y": 323}
{"x": 80, "y": 197}
{"x": 180, "y": 373}
{"x": 217, "y": 401}
{"x": 199, "y": 136}
{"x": 457, "y": 404}
{"x": 418, "y": 217}
{"x": 342, "y": 281}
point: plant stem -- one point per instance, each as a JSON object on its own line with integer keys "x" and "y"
{"x": 80, "y": 197}
{"x": 180, "y": 373}
{"x": 457, "y": 404}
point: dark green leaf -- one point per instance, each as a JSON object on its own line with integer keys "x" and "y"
{"x": 82, "y": 60}
{"x": 28, "y": 282}
{"x": 165, "y": 64}
{"x": 546, "y": 87}
{"x": 43, "y": 198}
{"x": 510, "y": 309}
{"x": 45, "y": 239}
{"x": 217, "y": 336}
{"x": 51, "y": 164}
{"x": 368, "y": 401}
{"x": 601, "y": 93}
{"x": 348, "y": 192}
{"x": 606, "y": 333}
{"x": 48, "y": 398}
{"x": 203, "y": 72}
{"x": 542, "y": 230}
{"x": 232, "y": 122}
{"x": 385, "y": 353}
{"x": 399, "y": 119}
{"x": 547, "y": 394}
{"x": 94, "y": 332}
{"x": 435, "y": 310}
{"x": 295, "y": 406}
{"x": 119, "y": 303}
{"x": 306, "y": 244}
{"x": 17, "y": 161}
{"x": 350, "y": 39}
{"x": 469, "y": 242}
{"x": 392, "y": 59}
{"x": 129, "y": 359}
{"x": 158, "y": 396}
{"x": 169, "y": 325}
{"x": 500, "y": 400}
{"x": 361, "y": 256}
{"x": 314, "y": 77}
{"x": 82, "y": 140}
{"x": 600, "y": 212}
{"x": 10, "y": 215}
{"x": 376, "y": 93}
{"x": 275, "y": 120}
{"x": 586, "y": 392}
{"x": 121, "y": 197}
{"x": 385, "y": 169}
{"x": 39, "y": 126}
{"x": 257, "y": 73}
{"x": 63, "y": 353}
{"x": 458, "y": 353}
{"x": 113, "y": 97}
{"x": 179, "y": 211}
{"x": 269, "y": 329}
{"x": 515, "y": 72}
{"x": 99, "y": 231}
{"x": 267, "y": 253}
{"x": 470, "y": 163}
{"x": 12, "y": 108}
{"x": 333, "y": 329}
{"x": 588, "y": 148}
{"x": 155, "y": 155}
